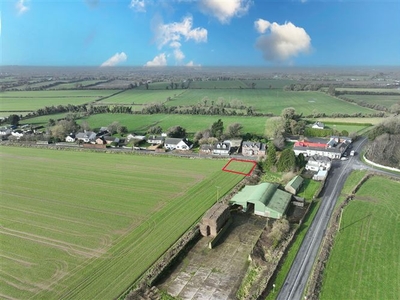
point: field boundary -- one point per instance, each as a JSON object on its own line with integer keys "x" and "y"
{"x": 225, "y": 168}
{"x": 380, "y": 166}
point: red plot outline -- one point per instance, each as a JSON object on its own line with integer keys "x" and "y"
{"x": 225, "y": 168}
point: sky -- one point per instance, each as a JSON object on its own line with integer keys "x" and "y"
{"x": 149, "y": 33}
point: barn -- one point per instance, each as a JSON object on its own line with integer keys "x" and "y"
{"x": 294, "y": 185}
{"x": 265, "y": 199}
{"x": 214, "y": 219}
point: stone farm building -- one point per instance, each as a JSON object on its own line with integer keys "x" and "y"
{"x": 266, "y": 198}
{"x": 214, "y": 219}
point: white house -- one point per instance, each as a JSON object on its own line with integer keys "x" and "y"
{"x": 318, "y": 162}
{"x": 222, "y": 148}
{"x": 17, "y": 133}
{"x": 177, "y": 144}
{"x": 70, "y": 138}
{"x": 155, "y": 140}
{"x": 318, "y": 125}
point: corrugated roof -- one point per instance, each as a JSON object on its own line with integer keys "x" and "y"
{"x": 266, "y": 193}
{"x": 296, "y": 182}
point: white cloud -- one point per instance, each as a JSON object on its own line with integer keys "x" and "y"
{"x": 225, "y": 10}
{"x": 282, "y": 42}
{"x": 172, "y": 35}
{"x": 192, "y": 64}
{"x": 158, "y": 61}
{"x": 115, "y": 59}
{"x": 261, "y": 25}
{"x": 21, "y": 7}
{"x": 174, "y": 32}
{"x": 138, "y": 5}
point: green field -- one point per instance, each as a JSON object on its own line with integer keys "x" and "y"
{"x": 33, "y": 100}
{"x": 83, "y": 225}
{"x": 365, "y": 262}
{"x": 140, "y": 96}
{"x": 369, "y": 90}
{"x": 270, "y": 100}
{"x": 384, "y": 100}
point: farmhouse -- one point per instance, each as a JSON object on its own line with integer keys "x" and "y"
{"x": 266, "y": 200}
{"x": 332, "y": 148}
{"x": 178, "y": 144}
{"x": 253, "y": 149}
{"x": 223, "y": 148}
{"x": 214, "y": 219}
{"x": 294, "y": 185}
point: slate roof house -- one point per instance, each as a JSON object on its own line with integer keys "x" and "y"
{"x": 206, "y": 149}
{"x": 318, "y": 162}
{"x": 266, "y": 198}
{"x": 253, "y": 149}
{"x": 70, "y": 138}
{"x": 86, "y": 137}
{"x": 177, "y": 144}
{"x": 222, "y": 148}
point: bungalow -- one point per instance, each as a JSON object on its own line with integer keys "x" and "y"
{"x": 253, "y": 149}
{"x": 156, "y": 140}
{"x": 70, "y": 138}
{"x": 222, "y": 148}
{"x": 318, "y": 125}
{"x": 86, "y": 137}
{"x": 177, "y": 144}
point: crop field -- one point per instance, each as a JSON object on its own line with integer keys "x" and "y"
{"x": 73, "y": 85}
{"x": 33, "y": 100}
{"x": 369, "y": 90}
{"x": 270, "y": 100}
{"x": 140, "y": 96}
{"x": 219, "y": 84}
{"x": 384, "y": 100}
{"x": 77, "y": 225}
{"x": 365, "y": 262}
{"x": 349, "y": 127}
{"x": 192, "y": 123}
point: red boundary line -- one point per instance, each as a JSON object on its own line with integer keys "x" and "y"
{"x": 225, "y": 168}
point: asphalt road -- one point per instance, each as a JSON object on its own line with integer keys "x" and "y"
{"x": 297, "y": 277}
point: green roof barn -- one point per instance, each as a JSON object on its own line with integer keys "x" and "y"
{"x": 294, "y": 185}
{"x": 267, "y": 199}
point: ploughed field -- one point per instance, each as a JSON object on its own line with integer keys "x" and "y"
{"x": 85, "y": 225}
{"x": 364, "y": 262}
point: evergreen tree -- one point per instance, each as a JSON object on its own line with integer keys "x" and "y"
{"x": 287, "y": 161}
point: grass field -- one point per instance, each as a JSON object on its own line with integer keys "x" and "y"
{"x": 384, "y": 100}
{"x": 141, "y": 96}
{"x": 365, "y": 262}
{"x": 369, "y": 90}
{"x": 270, "y": 100}
{"x": 33, "y": 100}
{"x": 80, "y": 225}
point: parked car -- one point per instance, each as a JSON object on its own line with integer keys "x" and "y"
{"x": 352, "y": 153}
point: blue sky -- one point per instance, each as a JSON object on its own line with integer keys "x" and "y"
{"x": 200, "y": 32}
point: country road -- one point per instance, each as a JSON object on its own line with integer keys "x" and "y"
{"x": 297, "y": 277}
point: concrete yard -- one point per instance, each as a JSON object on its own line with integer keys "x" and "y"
{"x": 206, "y": 274}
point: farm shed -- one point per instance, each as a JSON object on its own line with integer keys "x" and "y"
{"x": 294, "y": 185}
{"x": 266, "y": 198}
{"x": 214, "y": 219}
